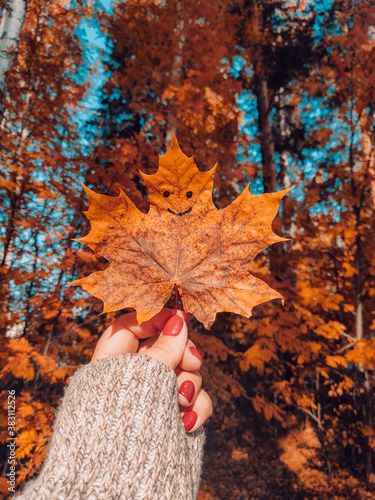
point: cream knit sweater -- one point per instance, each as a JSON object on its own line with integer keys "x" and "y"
{"x": 118, "y": 434}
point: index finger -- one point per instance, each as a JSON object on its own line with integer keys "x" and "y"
{"x": 123, "y": 335}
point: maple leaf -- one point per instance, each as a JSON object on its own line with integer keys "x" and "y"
{"x": 183, "y": 240}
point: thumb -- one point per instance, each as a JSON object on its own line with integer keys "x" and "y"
{"x": 170, "y": 346}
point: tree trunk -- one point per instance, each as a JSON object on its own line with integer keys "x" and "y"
{"x": 369, "y": 405}
{"x": 6, "y": 259}
{"x": 20, "y": 180}
{"x": 369, "y": 397}
{"x": 14, "y": 14}
{"x": 176, "y": 76}
{"x": 280, "y": 137}
{"x": 268, "y": 164}
{"x": 265, "y": 132}
{"x": 368, "y": 153}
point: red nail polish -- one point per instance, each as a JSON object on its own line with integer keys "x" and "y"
{"x": 196, "y": 353}
{"x": 173, "y": 326}
{"x": 187, "y": 390}
{"x": 189, "y": 420}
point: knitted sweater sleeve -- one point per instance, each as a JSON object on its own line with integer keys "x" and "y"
{"x": 118, "y": 434}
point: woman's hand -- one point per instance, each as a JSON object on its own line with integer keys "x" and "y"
{"x": 172, "y": 347}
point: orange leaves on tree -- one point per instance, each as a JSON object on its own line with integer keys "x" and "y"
{"x": 34, "y": 419}
{"x": 183, "y": 241}
{"x": 363, "y": 354}
{"x": 268, "y": 409}
{"x": 331, "y": 330}
{"x": 257, "y": 355}
{"x": 302, "y": 455}
{"x": 26, "y": 359}
{"x": 20, "y": 364}
{"x": 368, "y": 431}
{"x": 336, "y": 361}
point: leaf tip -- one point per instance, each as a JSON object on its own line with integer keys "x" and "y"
{"x": 209, "y": 322}
{"x": 143, "y": 175}
{"x": 88, "y": 191}
{"x": 286, "y": 190}
{"x": 212, "y": 171}
{"x": 174, "y": 142}
{"x": 85, "y": 188}
{"x": 105, "y": 310}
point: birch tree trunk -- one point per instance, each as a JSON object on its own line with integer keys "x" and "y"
{"x": 14, "y": 14}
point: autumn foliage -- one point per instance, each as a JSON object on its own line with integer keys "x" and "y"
{"x": 277, "y": 94}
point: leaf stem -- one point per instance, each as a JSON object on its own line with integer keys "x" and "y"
{"x": 176, "y": 298}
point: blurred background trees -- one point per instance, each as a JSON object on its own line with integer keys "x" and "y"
{"x": 279, "y": 93}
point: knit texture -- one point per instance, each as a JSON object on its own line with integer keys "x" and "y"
{"x": 118, "y": 434}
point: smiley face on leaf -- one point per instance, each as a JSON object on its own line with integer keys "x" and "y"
{"x": 183, "y": 240}
{"x": 178, "y": 185}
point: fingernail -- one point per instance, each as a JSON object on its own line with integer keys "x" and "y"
{"x": 189, "y": 420}
{"x": 173, "y": 326}
{"x": 187, "y": 390}
{"x": 196, "y": 353}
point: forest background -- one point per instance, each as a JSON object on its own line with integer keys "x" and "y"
{"x": 279, "y": 93}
